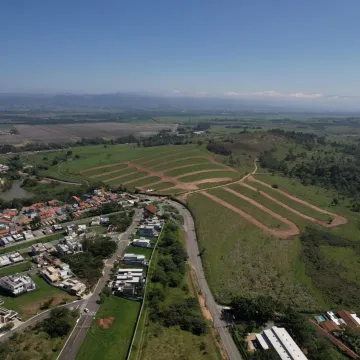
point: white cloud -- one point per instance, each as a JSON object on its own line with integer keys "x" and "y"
{"x": 232, "y": 93}
{"x": 267, "y": 93}
{"x": 176, "y": 91}
{"x": 301, "y": 95}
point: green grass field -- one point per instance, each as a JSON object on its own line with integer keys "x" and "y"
{"x": 125, "y": 178}
{"x": 143, "y": 182}
{"x": 193, "y": 168}
{"x": 174, "y": 164}
{"x": 238, "y": 254}
{"x": 111, "y": 167}
{"x": 139, "y": 250}
{"x": 211, "y": 174}
{"x": 347, "y": 259}
{"x": 250, "y": 209}
{"x": 10, "y": 270}
{"x": 25, "y": 245}
{"x": 162, "y": 185}
{"x": 28, "y": 305}
{"x": 306, "y": 210}
{"x": 104, "y": 176}
{"x": 111, "y": 343}
{"x": 171, "y": 192}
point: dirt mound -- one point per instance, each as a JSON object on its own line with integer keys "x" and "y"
{"x": 106, "y": 322}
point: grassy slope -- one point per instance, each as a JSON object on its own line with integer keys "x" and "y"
{"x": 28, "y": 305}
{"x": 346, "y": 258}
{"x": 240, "y": 259}
{"x": 193, "y": 168}
{"x": 175, "y": 164}
{"x": 211, "y": 174}
{"x": 115, "y": 174}
{"x": 130, "y": 177}
{"x": 143, "y": 182}
{"x": 321, "y": 198}
{"x": 162, "y": 185}
{"x": 102, "y": 170}
{"x": 250, "y": 209}
{"x": 292, "y": 203}
{"x": 111, "y": 343}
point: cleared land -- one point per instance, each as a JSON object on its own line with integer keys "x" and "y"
{"x": 212, "y": 174}
{"x": 143, "y": 182}
{"x": 10, "y": 270}
{"x": 237, "y": 254}
{"x": 125, "y": 178}
{"x": 176, "y": 164}
{"x": 110, "y": 333}
{"x": 29, "y": 304}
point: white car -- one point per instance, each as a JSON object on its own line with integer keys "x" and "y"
{"x": 86, "y": 310}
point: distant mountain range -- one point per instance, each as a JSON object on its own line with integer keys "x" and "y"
{"x": 137, "y": 102}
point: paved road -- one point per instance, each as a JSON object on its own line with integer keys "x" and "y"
{"x": 76, "y": 338}
{"x": 195, "y": 260}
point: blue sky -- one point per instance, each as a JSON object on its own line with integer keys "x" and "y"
{"x": 282, "y": 48}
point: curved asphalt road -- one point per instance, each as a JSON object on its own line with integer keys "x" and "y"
{"x": 195, "y": 260}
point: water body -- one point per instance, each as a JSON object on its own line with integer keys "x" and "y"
{"x": 16, "y": 191}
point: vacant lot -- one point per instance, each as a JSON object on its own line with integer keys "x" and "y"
{"x": 75, "y": 132}
{"x": 175, "y": 164}
{"x": 110, "y": 342}
{"x": 241, "y": 259}
{"x": 210, "y": 175}
{"x": 27, "y": 305}
{"x": 10, "y": 270}
{"x": 193, "y": 168}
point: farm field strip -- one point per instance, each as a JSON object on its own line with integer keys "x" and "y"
{"x": 186, "y": 169}
{"x": 161, "y": 185}
{"x": 177, "y": 163}
{"x": 94, "y": 169}
{"x": 337, "y": 219}
{"x": 284, "y": 234}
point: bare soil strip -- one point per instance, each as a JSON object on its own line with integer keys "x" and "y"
{"x": 338, "y": 220}
{"x": 212, "y": 180}
{"x": 289, "y": 223}
{"x": 138, "y": 179}
{"x": 184, "y": 158}
{"x": 283, "y": 234}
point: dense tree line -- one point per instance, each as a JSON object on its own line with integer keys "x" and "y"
{"x": 299, "y": 137}
{"x": 122, "y": 220}
{"x": 169, "y": 272}
{"x": 259, "y": 309}
{"x": 218, "y": 148}
{"x": 326, "y": 275}
{"x": 164, "y": 137}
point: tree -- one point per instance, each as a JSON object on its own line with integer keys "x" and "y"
{"x": 59, "y": 323}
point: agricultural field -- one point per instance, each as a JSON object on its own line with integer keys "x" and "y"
{"x": 28, "y": 305}
{"x": 110, "y": 334}
{"x": 63, "y": 133}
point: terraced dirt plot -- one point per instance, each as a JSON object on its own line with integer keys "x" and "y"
{"x": 110, "y": 175}
{"x": 212, "y": 174}
{"x": 178, "y": 163}
{"x": 185, "y": 169}
{"x": 126, "y": 178}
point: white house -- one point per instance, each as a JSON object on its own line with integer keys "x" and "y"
{"x": 133, "y": 259}
{"x": 17, "y": 285}
{"x": 142, "y": 242}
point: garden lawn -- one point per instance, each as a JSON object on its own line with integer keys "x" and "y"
{"x": 240, "y": 259}
{"x": 210, "y": 175}
{"x": 178, "y": 163}
{"x": 28, "y": 305}
{"x": 113, "y": 342}
{"x": 192, "y": 168}
{"x": 139, "y": 251}
{"x": 10, "y": 270}
{"x": 250, "y": 209}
